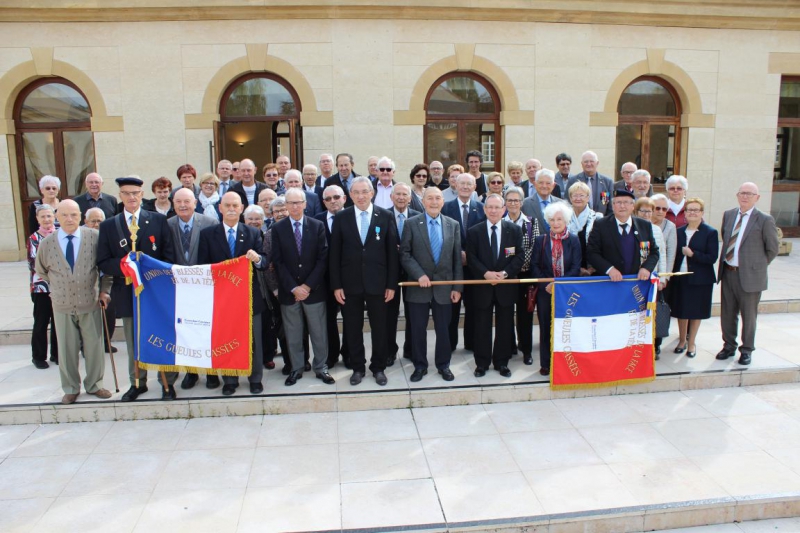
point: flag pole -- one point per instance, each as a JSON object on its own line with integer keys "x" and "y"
{"x": 514, "y": 281}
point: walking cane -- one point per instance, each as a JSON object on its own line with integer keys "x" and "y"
{"x": 110, "y": 352}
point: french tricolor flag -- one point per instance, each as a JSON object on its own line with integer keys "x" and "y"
{"x": 602, "y": 332}
{"x": 192, "y": 318}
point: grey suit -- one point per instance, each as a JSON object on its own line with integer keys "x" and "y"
{"x": 199, "y": 223}
{"x": 602, "y": 191}
{"x": 742, "y": 284}
{"x": 417, "y": 260}
{"x": 532, "y": 208}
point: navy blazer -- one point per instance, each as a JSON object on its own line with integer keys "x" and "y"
{"x": 604, "y": 249}
{"x": 705, "y": 246}
{"x": 238, "y": 188}
{"x": 481, "y": 259}
{"x": 307, "y": 268}
{"x": 313, "y": 205}
{"x": 452, "y": 209}
{"x": 214, "y": 248}
{"x": 542, "y": 257}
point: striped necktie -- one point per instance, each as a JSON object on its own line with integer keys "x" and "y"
{"x": 734, "y": 236}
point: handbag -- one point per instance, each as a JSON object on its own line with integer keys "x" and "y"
{"x": 662, "y": 317}
{"x": 533, "y": 290}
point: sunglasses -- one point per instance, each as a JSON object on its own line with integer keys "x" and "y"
{"x": 334, "y": 197}
{"x": 664, "y": 209}
{"x": 420, "y": 175}
{"x": 385, "y": 169}
{"x": 495, "y": 182}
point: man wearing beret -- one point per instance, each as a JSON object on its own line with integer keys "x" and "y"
{"x": 622, "y": 244}
{"x": 153, "y": 238}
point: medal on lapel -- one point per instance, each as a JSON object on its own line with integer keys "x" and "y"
{"x": 604, "y": 197}
{"x": 153, "y": 242}
{"x": 377, "y": 233}
{"x": 644, "y": 250}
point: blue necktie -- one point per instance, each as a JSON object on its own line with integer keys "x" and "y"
{"x": 364, "y": 226}
{"x": 223, "y": 188}
{"x": 70, "y": 253}
{"x": 436, "y": 240}
{"x": 231, "y": 242}
{"x": 186, "y": 240}
{"x": 401, "y": 220}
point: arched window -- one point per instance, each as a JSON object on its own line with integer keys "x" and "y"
{"x": 462, "y": 113}
{"x": 260, "y": 120}
{"x": 648, "y": 133}
{"x": 786, "y": 176}
{"x": 53, "y": 126}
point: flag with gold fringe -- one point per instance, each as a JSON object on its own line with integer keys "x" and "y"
{"x": 602, "y": 332}
{"x": 192, "y": 318}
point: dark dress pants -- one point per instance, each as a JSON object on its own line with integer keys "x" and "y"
{"x": 524, "y": 338}
{"x": 485, "y": 352}
{"x": 544, "y": 302}
{"x": 42, "y": 317}
{"x": 469, "y": 320}
{"x": 336, "y": 346}
{"x": 418, "y": 314}
{"x": 353, "y": 316}
{"x": 392, "y": 319}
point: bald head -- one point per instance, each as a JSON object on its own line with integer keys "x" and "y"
{"x": 230, "y": 207}
{"x": 184, "y": 203}
{"x": 69, "y": 215}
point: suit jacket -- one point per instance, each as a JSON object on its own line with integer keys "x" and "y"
{"x": 620, "y": 185}
{"x": 526, "y": 189}
{"x": 410, "y": 213}
{"x": 313, "y": 205}
{"x": 213, "y": 248}
{"x": 153, "y": 239}
{"x": 759, "y": 246}
{"x": 533, "y": 209}
{"x": 452, "y": 209}
{"x": 336, "y": 179}
{"x": 705, "y": 246}
{"x": 72, "y": 290}
{"x": 416, "y": 257}
{"x": 323, "y": 217}
{"x": 604, "y": 249}
{"x": 481, "y": 259}
{"x": 368, "y": 268}
{"x": 317, "y": 190}
{"x": 542, "y": 258}
{"x": 238, "y": 188}
{"x": 106, "y": 203}
{"x": 199, "y": 223}
{"x": 306, "y": 268}
{"x": 604, "y": 184}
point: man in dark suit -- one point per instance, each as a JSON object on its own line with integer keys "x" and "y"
{"x": 247, "y": 187}
{"x": 152, "y": 238}
{"x": 333, "y": 198}
{"x": 310, "y": 182}
{"x": 474, "y": 161}
{"x": 622, "y": 244}
{"x": 344, "y": 178}
{"x": 533, "y": 207}
{"x": 294, "y": 180}
{"x": 467, "y": 213}
{"x": 602, "y": 187}
{"x": 94, "y": 197}
{"x": 325, "y": 170}
{"x": 300, "y": 255}
{"x": 401, "y": 195}
{"x": 364, "y": 267}
{"x": 494, "y": 253}
{"x": 749, "y": 244}
{"x": 185, "y": 229}
{"x": 431, "y": 251}
{"x": 230, "y": 240}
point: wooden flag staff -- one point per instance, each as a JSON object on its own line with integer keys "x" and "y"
{"x": 515, "y": 281}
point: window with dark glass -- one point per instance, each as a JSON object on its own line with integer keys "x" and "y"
{"x": 462, "y": 114}
{"x": 786, "y": 176}
{"x": 648, "y": 131}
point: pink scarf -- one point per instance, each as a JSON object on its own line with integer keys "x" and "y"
{"x": 44, "y": 233}
{"x": 558, "y": 252}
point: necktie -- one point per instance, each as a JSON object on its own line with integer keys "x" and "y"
{"x": 132, "y": 222}
{"x": 70, "y": 253}
{"x": 464, "y": 216}
{"x": 495, "y": 250}
{"x": 223, "y": 188}
{"x": 400, "y": 223}
{"x": 364, "y": 226}
{"x": 732, "y": 243}
{"x": 231, "y": 242}
{"x": 186, "y": 239}
{"x": 330, "y": 222}
{"x": 591, "y": 191}
{"x": 436, "y": 240}
{"x": 298, "y": 238}
{"x": 624, "y": 228}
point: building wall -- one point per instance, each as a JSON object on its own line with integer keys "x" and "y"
{"x": 360, "y": 81}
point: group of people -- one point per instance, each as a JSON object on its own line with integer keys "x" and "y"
{"x": 325, "y": 243}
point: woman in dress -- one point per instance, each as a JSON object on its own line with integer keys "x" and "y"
{"x": 690, "y": 296}
{"x": 208, "y": 199}
{"x": 40, "y": 293}
{"x": 556, "y": 254}
{"x": 582, "y": 221}
{"x": 49, "y": 187}
{"x": 162, "y": 188}
{"x": 669, "y": 232}
{"x": 530, "y": 230}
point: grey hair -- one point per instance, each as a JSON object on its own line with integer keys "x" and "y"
{"x": 49, "y": 179}
{"x": 641, "y": 172}
{"x": 558, "y": 207}
{"x": 96, "y": 210}
{"x": 316, "y": 170}
{"x": 384, "y": 158}
{"x": 255, "y": 208}
{"x": 513, "y": 190}
{"x": 679, "y": 179}
{"x": 495, "y": 195}
{"x": 545, "y": 172}
{"x": 280, "y": 201}
{"x": 659, "y": 196}
{"x": 363, "y": 179}
{"x": 45, "y": 207}
{"x": 300, "y": 190}
{"x": 293, "y": 172}
{"x": 335, "y": 189}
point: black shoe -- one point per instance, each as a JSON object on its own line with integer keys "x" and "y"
{"x": 293, "y": 377}
{"x": 380, "y": 378}
{"x": 479, "y": 372}
{"x": 169, "y": 394}
{"x": 745, "y": 359}
{"x": 679, "y": 349}
{"x": 189, "y": 381}
{"x": 447, "y": 375}
{"x": 658, "y": 350}
{"x": 504, "y": 371}
{"x": 41, "y": 365}
{"x": 287, "y": 369}
{"x": 417, "y": 374}
{"x": 544, "y": 371}
{"x": 691, "y": 354}
{"x": 356, "y": 378}
{"x": 724, "y": 354}
{"x": 527, "y": 359}
{"x": 228, "y": 390}
{"x": 212, "y": 382}
{"x": 390, "y": 361}
{"x": 256, "y": 388}
{"x": 133, "y": 393}
{"x": 113, "y": 349}
{"x": 326, "y": 378}
{"x": 308, "y": 367}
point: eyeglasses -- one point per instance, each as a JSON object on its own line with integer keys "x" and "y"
{"x": 580, "y": 196}
{"x": 645, "y": 212}
{"x": 664, "y": 209}
{"x": 694, "y": 210}
{"x": 50, "y": 188}
{"x": 675, "y": 189}
{"x": 382, "y": 169}
{"x": 420, "y": 175}
{"x": 512, "y": 201}
{"x": 627, "y": 171}
{"x": 271, "y": 175}
{"x": 745, "y": 194}
{"x": 296, "y": 203}
{"x": 235, "y": 169}
{"x": 334, "y": 197}
{"x": 495, "y": 182}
